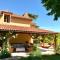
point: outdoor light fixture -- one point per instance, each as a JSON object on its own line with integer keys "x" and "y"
{"x": 4, "y": 37}
{"x": 13, "y": 36}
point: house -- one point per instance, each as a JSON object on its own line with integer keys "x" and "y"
{"x": 22, "y": 25}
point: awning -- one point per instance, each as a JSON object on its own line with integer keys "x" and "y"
{"x": 23, "y": 29}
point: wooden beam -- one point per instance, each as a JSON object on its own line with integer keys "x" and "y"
{"x": 55, "y": 42}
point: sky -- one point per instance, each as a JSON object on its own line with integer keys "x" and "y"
{"x": 34, "y": 7}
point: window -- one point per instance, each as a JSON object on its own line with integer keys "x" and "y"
{"x": 7, "y": 18}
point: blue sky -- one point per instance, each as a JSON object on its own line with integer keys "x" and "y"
{"x": 34, "y": 7}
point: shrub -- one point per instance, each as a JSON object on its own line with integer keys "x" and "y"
{"x": 36, "y": 52}
{"x": 58, "y": 49}
{"x": 4, "y": 54}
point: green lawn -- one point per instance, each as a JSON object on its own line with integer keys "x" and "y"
{"x": 51, "y": 57}
{"x": 44, "y": 57}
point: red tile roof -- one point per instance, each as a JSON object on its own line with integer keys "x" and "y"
{"x": 23, "y": 29}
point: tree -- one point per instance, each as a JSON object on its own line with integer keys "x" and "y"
{"x": 53, "y": 6}
{"x": 33, "y": 16}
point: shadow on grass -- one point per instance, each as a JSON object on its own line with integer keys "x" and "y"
{"x": 31, "y": 58}
{"x": 44, "y": 57}
{"x": 51, "y": 57}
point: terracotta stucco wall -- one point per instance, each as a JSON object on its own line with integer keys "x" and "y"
{"x": 20, "y": 22}
{"x": 16, "y": 21}
{"x": 2, "y": 19}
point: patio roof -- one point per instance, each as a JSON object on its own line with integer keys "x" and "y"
{"x": 24, "y": 29}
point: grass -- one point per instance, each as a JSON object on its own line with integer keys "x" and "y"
{"x": 44, "y": 57}
{"x": 51, "y": 57}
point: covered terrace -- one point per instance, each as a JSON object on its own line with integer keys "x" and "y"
{"x": 23, "y": 34}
